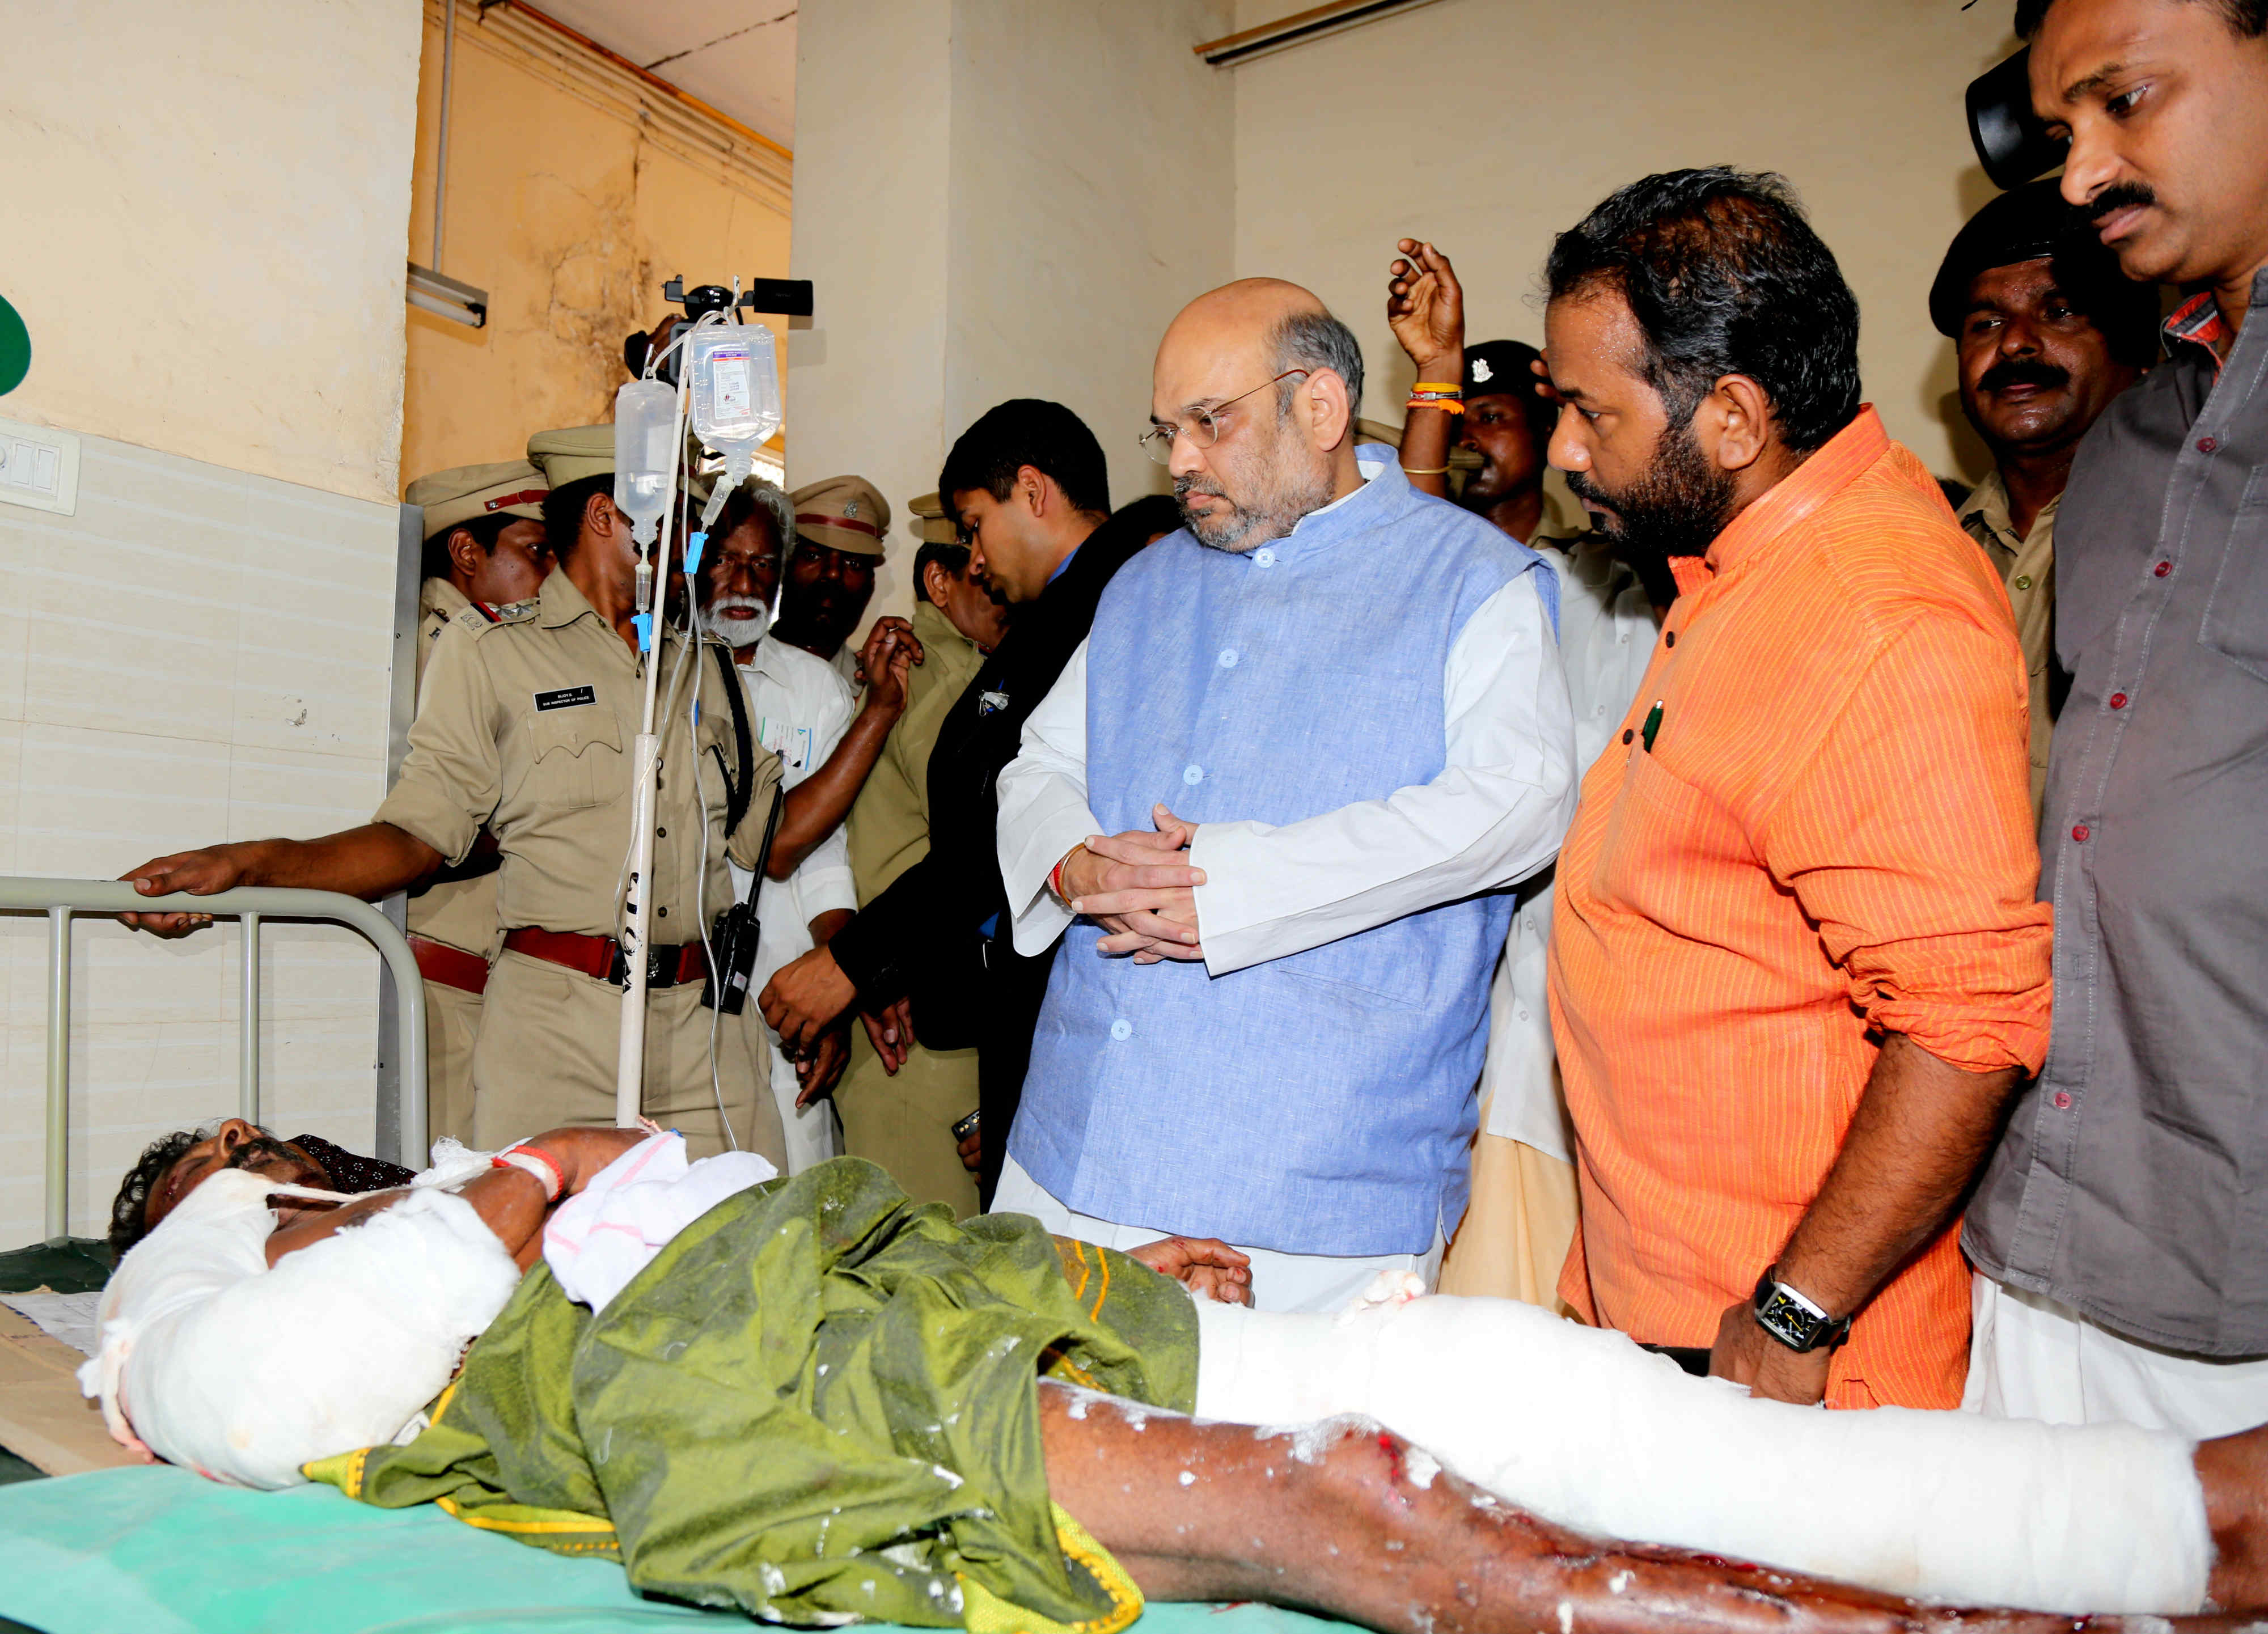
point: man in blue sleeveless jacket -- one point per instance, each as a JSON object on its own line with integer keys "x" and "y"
{"x": 1323, "y": 726}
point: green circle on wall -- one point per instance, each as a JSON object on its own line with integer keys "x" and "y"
{"x": 15, "y": 348}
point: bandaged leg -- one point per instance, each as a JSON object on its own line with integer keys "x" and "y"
{"x": 1583, "y": 1428}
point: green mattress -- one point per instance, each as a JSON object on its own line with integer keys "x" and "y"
{"x": 157, "y": 1550}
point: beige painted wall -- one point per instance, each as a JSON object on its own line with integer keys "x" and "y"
{"x": 1488, "y": 126}
{"x": 1034, "y": 190}
{"x": 568, "y": 204}
{"x": 204, "y": 213}
{"x": 1090, "y": 201}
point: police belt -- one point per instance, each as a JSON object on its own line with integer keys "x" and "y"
{"x": 600, "y": 957}
{"x": 449, "y": 967}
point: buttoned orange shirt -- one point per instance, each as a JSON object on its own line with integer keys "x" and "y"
{"x": 1829, "y": 839}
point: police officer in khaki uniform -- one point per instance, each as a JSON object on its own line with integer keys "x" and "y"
{"x": 484, "y": 548}
{"x": 904, "y": 1121}
{"x": 527, "y": 727}
{"x": 842, "y": 528}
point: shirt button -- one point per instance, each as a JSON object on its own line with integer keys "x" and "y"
{"x": 2162, "y": 569}
{"x": 1192, "y": 774}
{"x": 2118, "y": 700}
{"x": 1627, "y": 735}
{"x": 2023, "y": 581}
{"x": 1264, "y": 557}
{"x": 661, "y": 834}
{"x": 1670, "y": 639}
{"x": 2078, "y": 831}
{"x": 1229, "y": 657}
{"x": 2207, "y": 445}
{"x": 2063, "y": 1100}
{"x": 664, "y": 912}
{"x": 1121, "y": 1029}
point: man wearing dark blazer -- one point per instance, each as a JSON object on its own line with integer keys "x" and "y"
{"x": 1027, "y": 485}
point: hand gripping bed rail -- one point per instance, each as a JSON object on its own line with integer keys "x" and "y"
{"x": 401, "y": 1104}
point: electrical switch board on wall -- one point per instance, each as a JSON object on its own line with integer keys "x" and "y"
{"x": 39, "y": 467}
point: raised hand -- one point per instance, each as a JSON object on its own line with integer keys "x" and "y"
{"x": 887, "y": 657}
{"x": 1425, "y": 308}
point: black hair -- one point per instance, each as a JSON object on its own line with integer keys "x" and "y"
{"x": 2248, "y": 19}
{"x": 563, "y": 512}
{"x": 485, "y": 530}
{"x": 1028, "y": 431}
{"x": 1150, "y": 515}
{"x": 130, "y": 1209}
{"x": 954, "y": 558}
{"x": 1724, "y": 276}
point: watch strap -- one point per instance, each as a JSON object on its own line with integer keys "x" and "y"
{"x": 1792, "y": 1319}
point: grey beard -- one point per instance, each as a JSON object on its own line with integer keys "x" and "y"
{"x": 1243, "y": 530}
{"x": 737, "y": 632}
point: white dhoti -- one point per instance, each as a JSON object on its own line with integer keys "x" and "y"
{"x": 1582, "y": 1427}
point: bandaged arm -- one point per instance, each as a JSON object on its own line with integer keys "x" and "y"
{"x": 511, "y": 1202}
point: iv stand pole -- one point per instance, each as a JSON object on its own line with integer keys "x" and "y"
{"x": 630, "y": 1071}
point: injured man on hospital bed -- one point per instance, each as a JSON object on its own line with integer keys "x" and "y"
{"x": 818, "y": 1402}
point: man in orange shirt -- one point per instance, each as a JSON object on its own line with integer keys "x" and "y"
{"x": 1797, "y": 971}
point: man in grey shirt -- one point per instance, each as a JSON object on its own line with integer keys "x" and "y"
{"x": 2121, "y": 1229}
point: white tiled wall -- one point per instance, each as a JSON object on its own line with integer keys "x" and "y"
{"x": 197, "y": 655}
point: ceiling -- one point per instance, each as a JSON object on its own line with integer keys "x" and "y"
{"x": 737, "y": 55}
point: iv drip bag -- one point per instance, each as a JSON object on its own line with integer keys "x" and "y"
{"x": 734, "y": 373}
{"x": 645, "y": 413}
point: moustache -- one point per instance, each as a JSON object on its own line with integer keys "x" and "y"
{"x": 2022, "y": 372}
{"x": 1583, "y": 488}
{"x": 2118, "y": 195}
{"x": 1184, "y": 486}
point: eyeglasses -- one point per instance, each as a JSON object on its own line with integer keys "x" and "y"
{"x": 1204, "y": 427}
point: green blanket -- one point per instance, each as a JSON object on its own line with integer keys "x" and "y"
{"x": 818, "y": 1403}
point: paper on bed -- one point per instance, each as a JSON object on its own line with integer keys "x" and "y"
{"x": 68, "y": 1317}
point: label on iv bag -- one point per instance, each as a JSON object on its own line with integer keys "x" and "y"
{"x": 729, "y": 372}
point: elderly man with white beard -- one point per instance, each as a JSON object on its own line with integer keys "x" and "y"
{"x": 828, "y": 741}
{"x": 1326, "y": 728}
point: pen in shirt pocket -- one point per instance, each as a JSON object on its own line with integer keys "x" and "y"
{"x": 1653, "y": 726}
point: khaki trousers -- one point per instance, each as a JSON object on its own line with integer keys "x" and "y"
{"x": 547, "y": 1051}
{"x": 905, "y": 1123}
{"x": 453, "y": 1022}
{"x": 1518, "y": 1229}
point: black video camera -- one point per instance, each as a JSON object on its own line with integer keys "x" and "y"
{"x": 2013, "y": 144}
{"x": 788, "y": 296}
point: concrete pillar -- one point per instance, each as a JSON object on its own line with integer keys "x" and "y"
{"x": 995, "y": 199}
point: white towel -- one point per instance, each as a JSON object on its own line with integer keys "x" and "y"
{"x": 610, "y": 1231}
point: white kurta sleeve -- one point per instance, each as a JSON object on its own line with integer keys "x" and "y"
{"x": 1043, "y": 809}
{"x": 1495, "y": 814}
{"x": 823, "y": 880}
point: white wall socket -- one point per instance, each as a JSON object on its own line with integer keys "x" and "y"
{"x": 39, "y": 467}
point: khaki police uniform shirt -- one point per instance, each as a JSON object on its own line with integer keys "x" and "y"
{"x": 459, "y": 913}
{"x": 889, "y": 823}
{"x": 528, "y": 725}
{"x": 2026, "y": 564}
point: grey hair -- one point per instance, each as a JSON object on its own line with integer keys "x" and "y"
{"x": 780, "y": 508}
{"x": 1317, "y": 341}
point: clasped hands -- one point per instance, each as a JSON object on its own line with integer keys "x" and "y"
{"x": 1140, "y": 888}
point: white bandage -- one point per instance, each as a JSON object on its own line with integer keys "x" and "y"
{"x": 245, "y": 1373}
{"x": 1582, "y": 1427}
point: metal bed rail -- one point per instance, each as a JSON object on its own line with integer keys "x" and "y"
{"x": 401, "y": 1105}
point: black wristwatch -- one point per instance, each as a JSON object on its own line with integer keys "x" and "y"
{"x": 1794, "y": 1320}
